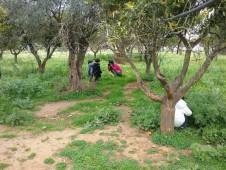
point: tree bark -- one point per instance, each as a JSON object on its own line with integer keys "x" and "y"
{"x": 42, "y": 64}
{"x": 148, "y": 68}
{"x": 148, "y": 61}
{"x": 83, "y": 46}
{"x": 15, "y": 53}
{"x": 167, "y": 116}
{"x": 95, "y": 54}
{"x": 74, "y": 78}
{"x": 15, "y": 58}
{"x": 1, "y": 54}
{"x": 207, "y": 48}
{"x": 41, "y": 68}
{"x": 75, "y": 66}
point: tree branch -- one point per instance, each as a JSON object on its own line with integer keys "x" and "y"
{"x": 150, "y": 94}
{"x": 202, "y": 70}
{"x": 204, "y": 5}
{"x": 178, "y": 81}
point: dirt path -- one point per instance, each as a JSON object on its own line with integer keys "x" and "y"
{"x": 17, "y": 151}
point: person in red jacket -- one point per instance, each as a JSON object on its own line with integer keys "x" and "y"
{"x": 114, "y": 68}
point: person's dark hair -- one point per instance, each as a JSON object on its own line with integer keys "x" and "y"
{"x": 90, "y": 61}
{"x": 111, "y": 62}
{"x": 97, "y": 60}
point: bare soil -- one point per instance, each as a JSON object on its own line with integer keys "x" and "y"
{"x": 16, "y": 151}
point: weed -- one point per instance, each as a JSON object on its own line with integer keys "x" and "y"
{"x": 27, "y": 149}
{"x": 179, "y": 140}
{"x": 152, "y": 151}
{"x": 22, "y": 160}
{"x": 110, "y": 145}
{"x": 207, "y": 152}
{"x": 124, "y": 146}
{"x": 78, "y": 143}
{"x": 3, "y": 165}
{"x": 61, "y": 166}
{"x": 81, "y": 120}
{"x": 146, "y": 117}
{"x": 120, "y": 150}
{"x": 13, "y": 149}
{"x": 193, "y": 163}
{"x": 131, "y": 152}
{"x": 49, "y": 161}
{"x": 108, "y": 134}
{"x": 19, "y": 117}
{"x": 97, "y": 156}
{"x": 123, "y": 142}
{"x": 45, "y": 139}
{"x": 8, "y": 136}
{"x": 105, "y": 116}
{"x": 31, "y": 156}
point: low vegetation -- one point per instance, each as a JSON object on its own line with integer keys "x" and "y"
{"x": 22, "y": 90}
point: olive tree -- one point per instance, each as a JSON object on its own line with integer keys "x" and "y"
{"x": 3, "y": 30}
{"x": 79, "y": 21}
{"x": 38, "y": 29}
{"x": 147, "y": 20}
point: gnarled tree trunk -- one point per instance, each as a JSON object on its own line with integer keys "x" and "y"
{"x": 148, "y": 61}
{"x": 167, "y": 116}
{"x": 74, "y": 78}
{"x": 75, "y": 65}
{"x": 1, "y": 54}
{"x": 15, "y": 53}
{"x": 42, "y": 64}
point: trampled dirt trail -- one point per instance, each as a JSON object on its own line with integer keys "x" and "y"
{"x": 16, "y": 151}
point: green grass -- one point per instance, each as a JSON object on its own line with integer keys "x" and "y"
{"x": 49, "y": 161}
{"x": 22, "y": 89}
{"x": 84, "y": 107}
{"x": 152, "y": 151}
{"x": 61, "y": 166}
{"x": 96, "y": 156}
{"x": 181, "y": 139}
{"x": 8, "y": 136}
{"x": 3, "y": 165}
{"x": 191, "y": 163}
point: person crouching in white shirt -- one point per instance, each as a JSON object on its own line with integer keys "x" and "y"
{"x": 181, "y": 111}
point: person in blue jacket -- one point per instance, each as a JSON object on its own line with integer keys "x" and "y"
{"x": 97, "y": 70}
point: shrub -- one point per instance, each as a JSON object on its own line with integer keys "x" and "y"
{"x": 22, "y": 88}
{"x": 208, "y": 107}
{"x": 18, "y": 118}
{"x": 147, "y": 117}
{"x": 23, "y": 103}
{"x": 105, "y": 116}
{"x": 214, "y": 134}
{"x": 209, "y": 114}
{"x": 6, "y": 107}
{"x": 61, "y": 166}
{"x": 60, "y": 83}
{"x": 207, "y": 152}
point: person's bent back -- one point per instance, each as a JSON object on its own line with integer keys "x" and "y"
{"x": 114, "y": 68}
{"x": 181, "y": 113}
